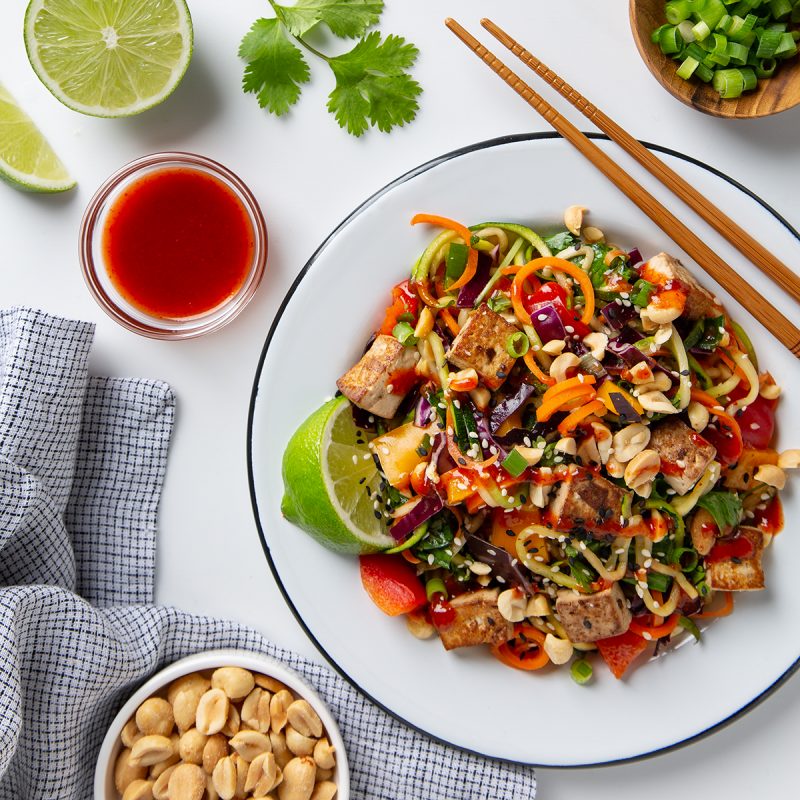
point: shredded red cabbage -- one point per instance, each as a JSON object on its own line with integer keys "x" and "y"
{"x": 501, "y": 562}
{"x": 468, "y": 294}
{"x": 547, "y": 323}
{"x": 428, "y": 506}
{"x": 504, "y": 410}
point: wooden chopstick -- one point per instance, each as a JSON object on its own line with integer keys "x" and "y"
{"x": 775, "y": 322}
{"x": 749, "y": 247}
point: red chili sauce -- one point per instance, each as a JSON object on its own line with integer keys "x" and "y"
{"x": 178, "y": 243}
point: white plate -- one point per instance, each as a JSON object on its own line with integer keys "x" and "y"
{"x": 466, "y": 698}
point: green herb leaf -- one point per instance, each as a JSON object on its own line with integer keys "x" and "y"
{"x": 561, "y": 241}
{"x": 348, "y": 19}
{"x": 372, "y": 86}
{"x": 276, "y": 67}
{"x": 725, "y": 507}
{"x": 640, "y": 295}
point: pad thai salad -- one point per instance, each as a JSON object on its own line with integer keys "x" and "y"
{"x": 557, "y": 449}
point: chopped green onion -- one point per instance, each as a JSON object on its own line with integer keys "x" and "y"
{"x": 686, "y": 564}
{"x": 768, "y": 44}
{"x": 704, "y": 73}
{"x": 517, "y": 344}
{"x": 670, "y": 40}
{"x": 515, "y": 463}
{"x": 728, "y": 83}
{"x": 642, "y": 289}
{"x": 744, "y": 340}
{"x": 787, "y": 46}
{"x": 701, "y": 31}
{"x": 737, "y": 53}
{"x": 686, "y": 32}
{"x": 688, "y": 625}
{"x": 686, "y": 70}
{"x": 499, "y": 303}
{"x": 780, "y": 8}
{"x": 725, "y": 24}
{"x": 404, "y": 334}
{"x": 581, "y": 671}
{"x": 750, "y": 80}
{"x": 435, "y": 586}
{"x": 677, "y": 11}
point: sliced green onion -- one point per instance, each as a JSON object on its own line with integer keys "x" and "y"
{"x": 704, "y": 73}
{"x": 515, "y": 463}
{"x": 689, "y": 625}
{"x": 686, "y": 70}
{"x": 745, "y": 341}
{"x": 750, "y": 79}
{"x": 787, "y": 46}
{"x": 655, "y": 36}
{"x": 725, "y": 24}
{"x": 738, "y": 53}
{"x": 642, "y": 289}
{"x": 581, "y": 671}
{"x": 686, "y": 32}
{"x": 765, "y": 67}
{"x": 404, "y": 334}
{"x": 435, "y": 586}
{"x": 517, "y": 344}
{"x": 701, "y": 31}
{"x": 768, "y": 43}
{"x": 780, "y": 8}
{"x": 670, "y": 41}
{"x": 499, "y": 303}
{"x": 677, "y": 11}
{"x": 728, "y": 83}
{"x": 690, "y": 564}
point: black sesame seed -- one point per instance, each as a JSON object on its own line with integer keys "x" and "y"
{"x": 377, "y": 514}
{"x": 462, "y": 462}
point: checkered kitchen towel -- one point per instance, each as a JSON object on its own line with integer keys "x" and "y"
{"x": 82, "y": 460}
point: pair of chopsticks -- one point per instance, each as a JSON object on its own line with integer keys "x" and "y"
{"x": 716, "y": 267}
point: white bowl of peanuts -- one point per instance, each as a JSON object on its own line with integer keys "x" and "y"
{"x": 227, "y": 724}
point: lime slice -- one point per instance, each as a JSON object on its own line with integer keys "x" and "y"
{"x": 109, "y": 58}
{"x": 26, "y": 158}
{"x": 330, "y": 482}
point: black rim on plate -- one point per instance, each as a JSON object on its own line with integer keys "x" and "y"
{"x": 489, "y": 143}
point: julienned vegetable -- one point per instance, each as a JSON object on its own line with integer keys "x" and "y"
{"x": 729, "y": 43}
{"x": 564, "y": 457}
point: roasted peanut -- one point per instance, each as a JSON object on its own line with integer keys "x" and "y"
{"x": 789, "y": 459}
{"x": 641, "y": 469}
{"x": 216, "y": 747}
{"x": 138, "y": 790}
{"x": 255, "y": 710}
{"x": 161, "y": 786}
{"x": 125, "y": 772}
{"x": 593, "y": 235}
{"x": 324, "y": 754}
{"x": 772, "y": 475}
{"x": 187, "y": 782}
{"x": 261, "y": 775}
{"x": 130, "y": 733}
{"x": 159, "y": 767}
{"x": 325, "y": 790}
{"x": 249, "y": 744}
{"x": 281, "y": 752}
{"x": 559, "y": 650}
{"x": 630, "y": 441}
{"x": 698, "y": 416}
{"x": 656, "y": 402}
{"x": 278, "y": 706}
{"x": 573, "y": 219}
{"x": 419, "y": 627}
{"x": 194, "y": 682}
{"x": 298, "y": 779}
{"x": 597, "y": 342}
{"x": 191, "y": 746}
{"x": 225, "y": 778}
{"x": 300, "y": 745}
{"x": 562, "y": 363}
{"x": 184, "y": 694}
{"x": 232, "y": 723}
{"x": 241, "y": 773}
{"x": 154, "y": 716}
{"x": 603, "y": 438}
{"x": 150, "y": 750}
{"x": 236, "y": 682}
{"x": 304, "y": 719}
{"x": 212, "y": 712}
{"x": 511, "y": 604}
{"x": 267, "y": 682}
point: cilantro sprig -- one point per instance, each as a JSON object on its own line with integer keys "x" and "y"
{"x": 373, "y": 85}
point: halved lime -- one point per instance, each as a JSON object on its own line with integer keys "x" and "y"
{"x": 26, "y": 158}
{"x": 109, "y": 58}
{"x": 331, "y": 482}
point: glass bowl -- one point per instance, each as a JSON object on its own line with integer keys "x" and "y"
{"x": 96, "y": 269}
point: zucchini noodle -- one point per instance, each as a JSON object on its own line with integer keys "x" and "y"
{"x": 606, "y": 571}
{"x": 509, "y": 257}
{"x": 498, "y": 233}
{"x": 675, "y": 344}
{"x": 423, "y": 267}
{"x": 676, "y": 575}
{"x": 724, "y": 388}
{"x": 744, "y": 363}
{"x": 539, "y": 567}
{"x": 572, "y": 252}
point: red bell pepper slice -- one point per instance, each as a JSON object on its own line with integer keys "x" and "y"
{"x": 392, "y": 584}
{"x": 619, "y": 652}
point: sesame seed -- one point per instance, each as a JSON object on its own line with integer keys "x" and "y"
{"x": 472, "y": 434}
{"x": 430, "y": 559}
{"x": 624, "y": 295}
{"x": 500, "y": 579}
{"x": 484, "y": 442}
{"x": 639, "y": 590}
{"x": 646, "y": 553}
{"x": 390, "y": 387}
{"x": 656, "y": 604}
{"x": 646, "y": 636}
{"x": 457, "y": 403}
{"x": 754, "y": 426}
{"x": 541, "y": 317}
{"x": 569, "y": 329}
{"x": 556, "y": 568}
{"x": 355, "y": 459}
{"x": 526, "y": 441}
{"x": 493, "y": 450}
{"x": 648, "y": 563}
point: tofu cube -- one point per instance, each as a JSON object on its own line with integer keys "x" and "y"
{"x": 587, "y": 501}
{"x": 589, "y": 617}
{"x": 684, "y": 453}
{"x": 481, "y": 344}
{"x": 739, "y": 574}
{"x": 667, "y": 272}
{"x": 369, "y": 383}
{"x": 478, "y": 621}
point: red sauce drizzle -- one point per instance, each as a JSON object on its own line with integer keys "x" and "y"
{"x": 403, "y": 381}
{"x": 442, "y": 613}
{"x": 726, "y": 549}
{"x": 769, "y": 519}
{"x": 177, "y": 243}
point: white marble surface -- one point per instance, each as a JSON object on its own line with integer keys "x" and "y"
{"x": 308, "y": 175}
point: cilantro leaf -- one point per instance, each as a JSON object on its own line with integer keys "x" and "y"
{"x": 275, "y": 67}
{"x": 725, "y": 507}
{"x": 372, "y": 86}
{"x": 348, "y": 19}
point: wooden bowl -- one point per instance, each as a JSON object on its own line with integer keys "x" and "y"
{"x": 772, "y": 96}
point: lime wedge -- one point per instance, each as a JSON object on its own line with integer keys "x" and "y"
{"x": 109, "y": 58}
{"x": 26, "y": 159}
{"x": 331, "y": 481}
